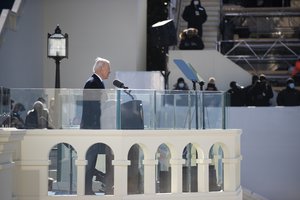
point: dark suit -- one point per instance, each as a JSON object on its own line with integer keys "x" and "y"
{"x": 91, "y": 107}
{"x": 195, "y": 16}
{"x": 91, "y": 112}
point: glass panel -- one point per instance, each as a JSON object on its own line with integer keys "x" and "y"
{"x": 62, "y": 176}
{"x": 136, "y": 109}
{"x": 113, "y": 109}
{"x": 5, "y": 107}
{"x": 175, "y": 110}
{"x": 213, "y": 109}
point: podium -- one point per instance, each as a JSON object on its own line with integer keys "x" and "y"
{"x": 132, "y": 115}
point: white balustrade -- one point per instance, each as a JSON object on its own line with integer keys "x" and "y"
{"x": 30, "y": 149}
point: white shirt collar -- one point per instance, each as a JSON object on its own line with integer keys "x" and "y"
{"x": 99, "y": 77}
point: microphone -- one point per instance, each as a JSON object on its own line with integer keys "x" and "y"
{"x": 119, "y": 84}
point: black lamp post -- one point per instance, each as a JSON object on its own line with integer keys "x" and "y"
{"x": 57, "y": 48}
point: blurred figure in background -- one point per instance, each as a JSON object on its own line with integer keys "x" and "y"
{"x": 261, "y": 92}
{"x": 247, "y": 88}
{"x": 211, "y": 85}
{"x": 15, "y": 116}
{"x": 296, "y": 73}
{"x": 190, "y": 40}
{"x": 181, "y": 85}
{"x": 237, "y": 94}
{"x": 179, "y": 95}
{"x": 195, "y": 15}
{"x": 289, "y": 96}
{"x": 38, "y": 117}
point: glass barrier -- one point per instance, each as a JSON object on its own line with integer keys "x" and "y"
{"x": 112, "y": 109}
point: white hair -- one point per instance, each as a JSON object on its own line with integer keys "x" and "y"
{"x": 99, "y": 62}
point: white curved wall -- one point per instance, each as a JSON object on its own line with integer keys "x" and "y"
{"x": 114, "y": 29}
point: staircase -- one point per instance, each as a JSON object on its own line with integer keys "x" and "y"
{"x": 260, "y": 52}
{"x": 210, "y": 27}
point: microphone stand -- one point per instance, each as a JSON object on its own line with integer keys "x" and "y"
{"x": 128, "y": 92}
{"x": 196, "y": 102}
{"x": 201, "y": 83}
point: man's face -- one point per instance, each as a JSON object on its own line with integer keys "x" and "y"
{"x": 105, "y": 71}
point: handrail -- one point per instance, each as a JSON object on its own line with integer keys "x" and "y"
{"x": 261, "y": 12}
{"x": 178, "y": 15}
{"x": 263, "y": 43}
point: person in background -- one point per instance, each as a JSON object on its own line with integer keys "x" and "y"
{"x": 211, "y": 85}
{"x": 296, "y": 73}
{"x": 261, "y": 92}
{"x": 190, "y": 40}
{"x": 195, "y": 15}
{"x": 211, "y": 99}
{"x": 180, "y": 93}
{"x": 50, "y": 122}
{"x": 227, "y": 29}
{"x": 38, "y": 117}
{"x": 248, "y": 100}
{"x": 15, "y": 116}
{"x": 237, "y": 94}
{"x": 289, "y": 96}
{"x": 181, "y": 85}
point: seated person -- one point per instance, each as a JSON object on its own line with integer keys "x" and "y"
{"x": 38, "y": 117}
{"x": 14, "y": 119}
{"x": 190, "y": 40}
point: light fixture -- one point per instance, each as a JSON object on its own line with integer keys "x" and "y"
{"x": 57, "y": 48}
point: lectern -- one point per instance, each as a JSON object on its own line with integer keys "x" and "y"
{"x": 132, "y": 115}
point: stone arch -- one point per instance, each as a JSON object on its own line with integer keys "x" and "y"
{"x": 99, "y": 176}
{"x": 200, "y": 151}
{"x": 189, "y": 168}
{"x": 163, "y": 169}
{"x": 135, "y": 170}
{"x": 62, "y": 171}
{"x": 216, "y": 167}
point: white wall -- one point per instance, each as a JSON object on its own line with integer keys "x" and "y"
{"x": 270, "y": 148}
{"x": 21, "y": 55}
{"x": 114, "y": 29}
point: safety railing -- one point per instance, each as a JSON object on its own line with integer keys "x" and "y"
{"x": 111, "y": 109}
